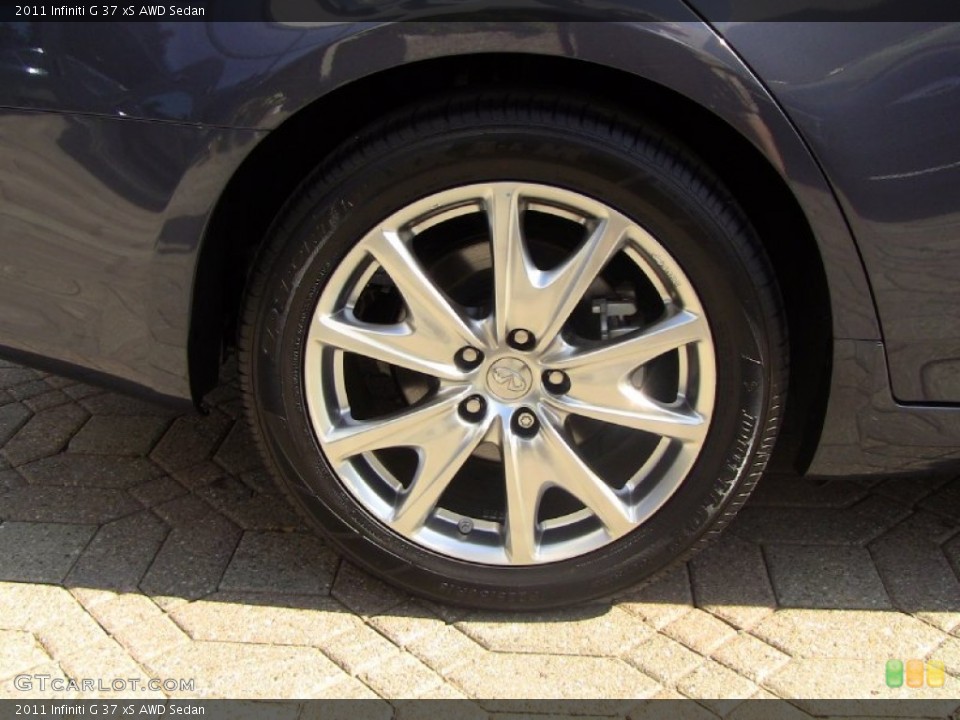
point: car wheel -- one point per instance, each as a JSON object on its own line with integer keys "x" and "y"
{"x": 513, "y": 351}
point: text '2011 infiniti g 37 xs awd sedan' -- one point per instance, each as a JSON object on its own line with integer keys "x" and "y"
{"x": 522, "y": 307}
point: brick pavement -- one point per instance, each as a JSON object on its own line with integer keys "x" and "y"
{"x": 138, "y": 543}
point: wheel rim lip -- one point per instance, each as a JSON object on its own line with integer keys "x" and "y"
{"x": 323, "y": 376}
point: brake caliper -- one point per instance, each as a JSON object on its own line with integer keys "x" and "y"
{"x": 616, "y": 313}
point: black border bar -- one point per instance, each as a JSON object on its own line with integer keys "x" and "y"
{"x": 340, "y": 11}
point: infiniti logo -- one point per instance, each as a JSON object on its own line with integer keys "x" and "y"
{"x": 512, "y": 379}
{"x": 509, "y": 378}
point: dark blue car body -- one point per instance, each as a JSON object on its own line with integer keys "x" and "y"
{"x": 141, "y": 163}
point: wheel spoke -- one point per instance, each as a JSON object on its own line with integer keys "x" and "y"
{"x": 618, "y": 359}
{"x": 442, "y": 440}
{"x": 629, "y": 407}
{"x": 600, "y": 386}
{"x": 442, "y": 453}
{"x": 436, "y": 323}
{"x": 537, "y": 300}
{"x": 564, "y": 287}
{"x": 397, "y": 344}
{"x": 511, "y": 264}
{"x": 416, "y": 427}
{"x": 524, "y": 473}
{"x": 570, "y": 472}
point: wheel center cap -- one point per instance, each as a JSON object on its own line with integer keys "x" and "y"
{"x": 509, "y": 378}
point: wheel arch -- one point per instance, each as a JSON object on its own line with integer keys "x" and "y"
{"x": 765, "y": 166}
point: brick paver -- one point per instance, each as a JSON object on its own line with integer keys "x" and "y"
{"x": 136, "y": 542}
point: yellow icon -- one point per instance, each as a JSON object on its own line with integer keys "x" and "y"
{"x": 914, "y": 673}
{"x": 936, "y": 673}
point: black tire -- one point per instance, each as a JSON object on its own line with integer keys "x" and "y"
{"x": 633, "y": 167}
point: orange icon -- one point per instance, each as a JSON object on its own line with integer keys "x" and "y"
{"x": 914, "y": 673}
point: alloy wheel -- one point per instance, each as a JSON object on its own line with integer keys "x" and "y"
{"x": 509, "y": 373}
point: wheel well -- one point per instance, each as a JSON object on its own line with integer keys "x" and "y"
{"x": 288, "y": 154}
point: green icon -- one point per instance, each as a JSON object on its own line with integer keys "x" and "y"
{"x": 894, "y": 673}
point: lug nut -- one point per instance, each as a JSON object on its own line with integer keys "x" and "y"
{"x": 524, "y": 423}
{"x": 522, "y": 339}
{"x": 556, "y": 381}
{"x": 473, "y": 408}
{"x": 468, "y": 358}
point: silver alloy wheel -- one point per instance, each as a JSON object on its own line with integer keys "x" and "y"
{"x": 508, "y": 408}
